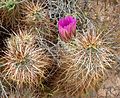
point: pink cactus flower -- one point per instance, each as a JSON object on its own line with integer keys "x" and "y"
{"x": 67, "y": 28}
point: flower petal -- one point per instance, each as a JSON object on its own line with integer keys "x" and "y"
{"x": 67, "y": 27}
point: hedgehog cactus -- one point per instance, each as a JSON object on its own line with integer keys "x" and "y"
{"x": 41, "y": 60}
{"x": 35, "y": 15}
{"x": 85, "y": 60}
{"x": 24, "y": 61}
{"x": 33, "y": 12}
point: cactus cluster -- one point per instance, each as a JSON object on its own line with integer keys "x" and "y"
{"x": 57, "y": 48}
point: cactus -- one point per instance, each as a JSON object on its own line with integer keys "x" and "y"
{"x": 57, "y": 48}
{"x": 85, "y": 62}
{"x": 24, "y": 61}
{"x": 32, "y": 12}
{"x": 86, "y": 59}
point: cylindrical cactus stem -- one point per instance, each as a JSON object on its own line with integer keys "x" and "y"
{"x": 86, "y": 59}
{"x": 25, "y": 62}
